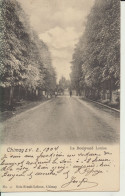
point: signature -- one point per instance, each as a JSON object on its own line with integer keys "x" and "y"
{"x": 88, "y": 171}
{"x": 80, "y": 184}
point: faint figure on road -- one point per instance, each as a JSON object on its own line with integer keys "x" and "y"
{"x": 70, "y": 93}
{"x": 56, "y": 93}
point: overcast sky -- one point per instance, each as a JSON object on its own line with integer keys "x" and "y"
{"x": 59, "y": 23}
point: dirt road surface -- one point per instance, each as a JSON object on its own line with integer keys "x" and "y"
{"x": 63, "y": 120}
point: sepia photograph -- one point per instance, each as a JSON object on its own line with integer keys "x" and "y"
{"x": 60, "y": 71}
{"x": 59, "y": 93}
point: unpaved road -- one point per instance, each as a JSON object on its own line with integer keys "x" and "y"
{"x": 63, "y": 120}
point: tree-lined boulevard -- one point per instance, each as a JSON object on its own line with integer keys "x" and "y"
{"x": 28, "y": 74}
{"x": 27, "y": 69}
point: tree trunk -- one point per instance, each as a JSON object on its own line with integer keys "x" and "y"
{"x": 104, "y": 91}
{"x": 11, "y": 96}
{"x": 19, "y": 93}
{"x": 26, "y": 93}
{"x": 110, "y": 89}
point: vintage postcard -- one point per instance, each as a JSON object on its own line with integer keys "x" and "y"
{"x": 59, "y": 95}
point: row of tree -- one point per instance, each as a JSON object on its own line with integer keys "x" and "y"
{"x": 96, "y": 58}
{"x": 25, "y": 61}
{"x": 63, "y": 85}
